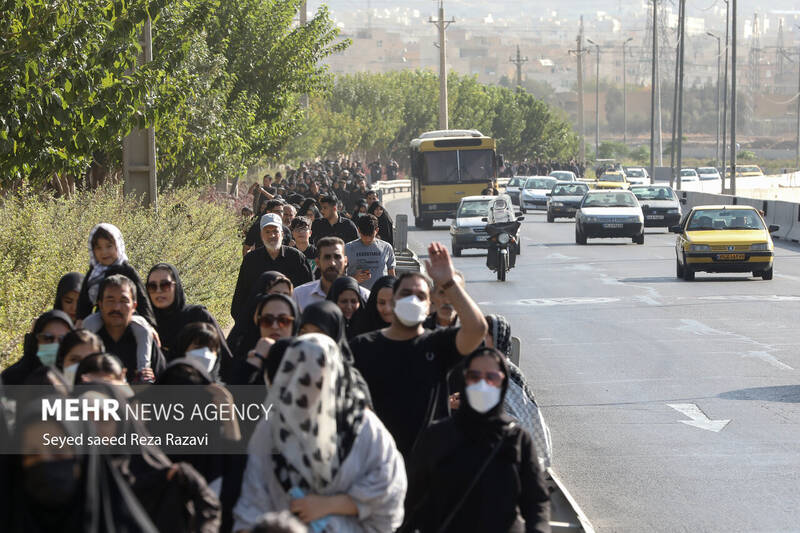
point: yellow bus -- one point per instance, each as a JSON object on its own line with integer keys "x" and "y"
{"x": 447, "y": 165}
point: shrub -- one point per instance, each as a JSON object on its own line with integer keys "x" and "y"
{"x": 43, "y": 238}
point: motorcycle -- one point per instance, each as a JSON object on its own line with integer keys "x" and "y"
{"x": 503, "y": 247}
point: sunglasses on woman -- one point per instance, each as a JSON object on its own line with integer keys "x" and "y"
{"x": 283, "y": 321}
{"x": 492, "y": 377}
{"x": 164, "y": 285}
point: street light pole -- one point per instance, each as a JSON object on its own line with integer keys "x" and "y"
{"x": 733, "y": 96}
{"x": 719, "y": 115}
{"x": 653, "y": 89}
{"x": 682, "y": 23}
{"x": 596, "y": 103}
{"x": 725, "y": 94}
{"x": 797, "y": 148}
{"x": 625, "y": 96}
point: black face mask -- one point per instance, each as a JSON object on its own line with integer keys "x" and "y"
{"x": 52, "y": 484}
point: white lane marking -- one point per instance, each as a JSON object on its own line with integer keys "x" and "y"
{"x": 647, "y": 300}
{"x": 549, "y": 302}
{"x": 769, "y": 358}
{"x": 560, "y": 257}
{"x": 786, "y": 276}
{"x": 698, "y": 417}
{"x": 698, "y": 328}
{"x": 747, "y": 298}
{"x": 581, "y": 267}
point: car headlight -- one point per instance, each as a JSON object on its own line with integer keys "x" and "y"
{"x": 759, "y": 247}
{"x": 699, "y": 248}
{"x": 674, "y": 211}
{"x": 591, "y": 219}
{"x": 503, "y": 238}
{"x": 557, "y": 204}
{"x": 633, "y": 219}
{"x": 461, "y": 231}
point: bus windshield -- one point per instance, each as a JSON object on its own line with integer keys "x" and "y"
{"x": 458, "y": 166}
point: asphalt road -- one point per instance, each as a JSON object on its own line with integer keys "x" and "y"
{"x": 611, "y": 339}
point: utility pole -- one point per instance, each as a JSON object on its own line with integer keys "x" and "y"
{"x": 625, "y": 96}
{"x": 682, "y": 24}
{"x": 581, "y": 130}
{"x": 442, "y": 25}
{"x": 725, "y": 93}
{"x": 674, "y": 117}
{"x": 719, "y": 114}
{"x": 733, "y": 96}
{"x": 797, "y": 148}
{"x": 596, "y": 102}
{"x": 518, "y": 62}
{"x": 653, "y": 91}
{"x": 139, "y": 146}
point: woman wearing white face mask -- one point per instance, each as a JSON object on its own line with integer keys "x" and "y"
{"x": 200, "y": 341}
{"x": 477, "y": 471}
{"x": 74, "y": 348}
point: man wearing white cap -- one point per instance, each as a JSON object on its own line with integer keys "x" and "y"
{"x": 273, "y": 256}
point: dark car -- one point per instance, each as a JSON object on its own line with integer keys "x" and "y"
{"x": 660, "y": 206}
{"x": 565, "y": 199}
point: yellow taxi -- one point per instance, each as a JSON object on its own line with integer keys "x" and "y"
{"x": 724, "y": 238}
{"x": 612, "y": 180}
{"x": 746, "y": 171}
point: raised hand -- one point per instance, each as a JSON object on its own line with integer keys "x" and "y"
{"x": 439, "y": 265}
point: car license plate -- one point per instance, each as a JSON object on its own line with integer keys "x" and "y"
{"x": 481, "y": 237}
{"x": 612, "y": 226}
{"x": 655, "y": 217}
{"x": 731, "y": 257}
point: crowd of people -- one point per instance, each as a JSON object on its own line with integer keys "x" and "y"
{"x": 394, "y": 403}
{"x": 539, "y": 167}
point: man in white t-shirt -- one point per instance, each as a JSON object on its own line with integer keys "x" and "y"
{"x": 369, "y": 258}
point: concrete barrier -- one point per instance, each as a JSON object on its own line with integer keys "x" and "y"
{"x": 785, "y": 215}
{"x": 794, "y": 232}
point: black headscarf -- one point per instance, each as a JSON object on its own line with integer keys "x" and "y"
{"x": 70, "y": 282}
{"x": 19, "y": 371}
{"x": 244, "y": 333}
{"x": 175, "y": 317}
{"x": 486, "y": 427}
{"x": 385, "y": 225}
{"x": 100, "y": 500}
{"x": 356, "y": 210}
{"x": 311, "y": 204}
{"x": 371, "y": 318}
{"x": 346, "y": 283}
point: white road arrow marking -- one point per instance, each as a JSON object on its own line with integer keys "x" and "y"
{"x": 698, "y": 417}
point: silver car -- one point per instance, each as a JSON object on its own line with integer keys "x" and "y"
{"x": 660, "y": 206}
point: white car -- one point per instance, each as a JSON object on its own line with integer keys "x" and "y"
{"x": 609, "y": 214}
{"x": 689, "y": 175}
{"x": 468, "y": 230}
{"x": 710, "y": 180}
{"x": 563, "y": 175}
{"x": 637, "y": 176}
{"x": 535, "y": 193}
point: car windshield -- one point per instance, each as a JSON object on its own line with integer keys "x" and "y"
{"x": 749, "y": 168}
{"x": 725, "y": 219}
{"x": 474, "y": 208}
{"x": 611, "y": 177}
{"x": 578, "y": 189}
{"x": 516, "y": 182}
{"x": 542, "y": 183}
{"x": 688, "y": 172}
{"x": 609, "y": 199}
{"x": 706, "y": 170}
{"x": 635, "y": 173}
{"x": 653, "y": 193}
{"x": 563, "y": 175}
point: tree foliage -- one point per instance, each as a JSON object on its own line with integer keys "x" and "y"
{"x": 377, "y": 115}
{"x": 223, "y": 88}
